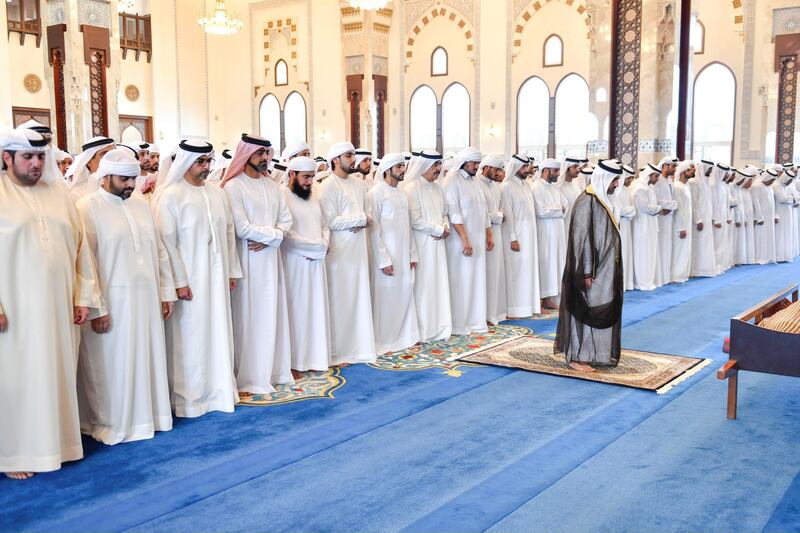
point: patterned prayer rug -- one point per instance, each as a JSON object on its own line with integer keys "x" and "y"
{"x": 641, "y": 370}
{"x": 312, "y": 385}
{"x": 444, "y": 354}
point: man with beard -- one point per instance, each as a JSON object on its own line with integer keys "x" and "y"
{"x": 298, "y": 149}
{"x": 122, "y": 369}
{"x": 764, "y": 213}
{"x": 48, "y": 285}
{"x": 491, "y": 175}
{"x": 394, "y": 258}
{"x": 644, "y": 229}
{"x": 667, "y": 202}
{"x": 623, "y": 205}
{"x": 519, "y": 240}
{"x": 343, "y": 200}
{"x": 303, "y": 251}
{"x": 363, "y": 164}
{"x": 590, "y": 316}
{"x": 79, "y": 174}
{"x": 569, "y": 183}
{"x": 551, "y": 208}
{"x": 196, "y": 227}
{"x": 466, "y": 255}
{"x": 431, "y": 228}
{"x": 262, "y": 354}
{"x": 681, "y": 246}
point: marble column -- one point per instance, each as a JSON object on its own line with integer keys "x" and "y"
{"x": 626, "y": 36}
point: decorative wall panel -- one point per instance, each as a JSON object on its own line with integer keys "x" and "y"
{"x": 787, "y": 105}
{"x": 624, "y": 108}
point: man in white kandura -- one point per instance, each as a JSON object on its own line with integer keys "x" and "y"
{"x": 262, "y": 355}
{"x": 520, "y": 240}
{"x": 195, "y": 223}
{"x": 551, "y": 208}
{"x": 363, "y": 163}
{"x": 298, "y": 149}
{"x": 623, "y": 205}
{"x": 431, "y": 228}
{"x": 720, "y": 217}
{"x": 393, "y": 259}
{"x": 703, "y": 264}
{"x": 764, "y": 213}
{"x": 644, "y": 229}
{"x": 304, "y": 249}
{"x": 569, "y": 183}
{"x": 682, "y": 223}
{"x": 490, "y": 176}
{"x": 47, "y": 287}
{"x": 79, "y": 174}
{"x": 123, "y": 391}
{"x": 343, "y": 200}
{"x": 667, "y": 201}
{"x": 784, "y": 229}
{"x": 466, "y": 251}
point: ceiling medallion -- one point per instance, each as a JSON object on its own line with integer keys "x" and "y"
{"x": 132, "y": 93}
{"x": 32, "y": 82}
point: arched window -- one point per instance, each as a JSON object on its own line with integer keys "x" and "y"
{"x": 281, "y": 73}
{"x": 294, "y": 118}
{"x": 553, "y": 51}
{"x": 455, "y": 118}
{"x": 714, "y": 111}
{"x": 269, "y": 120}
{"x": 422, "y": 119}
{"x": 575, "y": 125}
{"x": 698, "y": 36}
{"x": 439, "y": 62}
{"x": 533, "y": 118}
{"x": 132, "y": 134}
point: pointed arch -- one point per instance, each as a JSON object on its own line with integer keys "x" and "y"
{"x": 714, "y": 110}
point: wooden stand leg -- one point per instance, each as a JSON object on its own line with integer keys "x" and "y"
{"x": 731, "y": 373}
{"x": 733, "y": 389}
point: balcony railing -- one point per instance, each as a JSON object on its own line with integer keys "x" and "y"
{"x": 135, "y": 35}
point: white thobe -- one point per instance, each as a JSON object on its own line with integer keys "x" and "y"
{"x": 748, "y": 211}
{"x": 466, "y": 205}
{"x": 394, "y": 315}
{"x": 763, "y": 234}
{"x": 496, "y": 307}
{"x": 644, "y": 231}
{"x": 522, "y": 272}
{"x": 739, "y": 246}
{"x": 720, "y": 217}
{"x": 304, "y": 249}
{"x": 261, "y": 347}
{"x": 733, "y": 203}
{"x": 83, "y": 184}
{"x": 784, "y": 234}
{"x": 47, "y": 269}
{"x": 793, "y": 187}
{"x": 682, "y": 247}
{"x": 431, "y": 286}
{"x": 551, "y": 209}
{"x": 666, "y": 200}
{"x": 703, "y": 264}
{"x": 196, "y": 226}
{"x": 123, "y": 392}
{"x": 343, "y": 203}
{"x": 627, "y": 211}
{"x": 570, "y": 190}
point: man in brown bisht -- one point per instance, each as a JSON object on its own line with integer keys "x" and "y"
{"x": 590, "y": 314}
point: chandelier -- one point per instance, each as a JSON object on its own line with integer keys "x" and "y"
{"x": 368, "y": 4}
{"x": 219, "y": 23}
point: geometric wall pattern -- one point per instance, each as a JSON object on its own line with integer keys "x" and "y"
{"x": 628, "y": 21}
{"x": 787, "y": 105}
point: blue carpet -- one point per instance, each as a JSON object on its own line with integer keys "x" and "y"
{"x": 494, "y": 449}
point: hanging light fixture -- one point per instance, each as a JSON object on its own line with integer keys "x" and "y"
{"x": 373, "y": 5}
{"x": 219, "y": 23}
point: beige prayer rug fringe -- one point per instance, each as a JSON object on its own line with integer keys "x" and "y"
{"x": 313, "y": 385}
{"x": 445, "y": 354}
{"x": 642, "y": 370}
